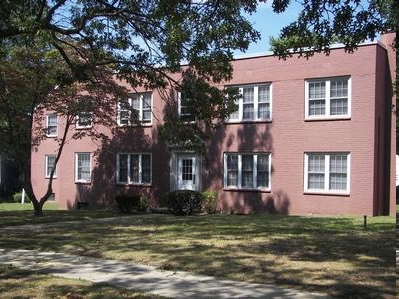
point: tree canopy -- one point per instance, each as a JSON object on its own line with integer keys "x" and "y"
{"x": 50, "y": 50}
{"x": 322, "y": 23}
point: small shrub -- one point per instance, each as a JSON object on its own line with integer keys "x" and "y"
{"x": 143, "y": 204}
{"x": 127, "y": 203}
{"x": 17, "y": 197}
{"x": 183, "y": 202}
{"x": 210, "y": 202}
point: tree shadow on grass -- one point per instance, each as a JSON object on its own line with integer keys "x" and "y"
{"x": 336, "y": 256}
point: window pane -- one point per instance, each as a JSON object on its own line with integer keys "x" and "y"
{"x": 264, "y": 111}
{"x": 134, "y": 168}
{"x": 248, "y": 102}
{"x": 316, "y": 163}
{"x": 136, "y": 103}
{"x": 316, "y": 181}
{"x": 84, "y": 167}
{"x": 248, "y": 111}
{"x": 247, "y": 171}
{"x": 338, "y": 181}
{"x": 52, "y": 124}
{"x": 232, "y": 170}
{"x": 317, "y": 90}
{"x": 338, "y": 172}
{"x": 263, "y": 171}
{"x": 264, "y": 94}
{"x": 50, "y": 165}
{"x": 339, "y": 88}
{"x": 317, "y": 107}
{"x": 339, "y": 106}
{"x": 146, "y": 168}
{"x": 146, "y": 115}
{"x": 84, "y": 119}
{"x": 124, "y": 113}
{"x": 235, "y": 115}
{"x": 123, "y": 160}
{"x": 316, "y": 168}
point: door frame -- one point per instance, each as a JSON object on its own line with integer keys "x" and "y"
{"x": 174, "y": 167}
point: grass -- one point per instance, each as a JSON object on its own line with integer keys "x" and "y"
{"x": 21, "y": 214}
{"x": 329, "y": 255}
{"x": 17, "y": 283}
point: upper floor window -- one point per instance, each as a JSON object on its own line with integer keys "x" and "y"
{"x": 184, "y": 110}
{"x": 50, "y": 164}
{"x": 83, "y": 167}
{"x": 137, "y": 109}
{"x": 133, "y": 168}
{"x": 328, "y": 98}
{"x": 247, "y": 171}
{"x": 254, "y": 104}
{"x": 51, "y": 125}
{"x": 327, "y": 172}
{"x": 84, "y": 120}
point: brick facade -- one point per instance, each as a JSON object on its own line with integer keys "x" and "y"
{"x": 367, "y": 136}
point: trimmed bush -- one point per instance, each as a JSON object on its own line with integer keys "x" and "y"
{"x": 210, "y": 202}
{"x": 143, "y": 204}
{"x": 127, "y": 203}
{"x": 183, "y": 202}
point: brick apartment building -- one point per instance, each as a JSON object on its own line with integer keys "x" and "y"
{"x": 311, "y": 136}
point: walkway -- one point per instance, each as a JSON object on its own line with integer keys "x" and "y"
{"x": 140, "y": 277}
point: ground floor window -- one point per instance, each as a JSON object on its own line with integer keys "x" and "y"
{"x": 50, "y": 164}
{"x": 247, "y": 170}
{"x": 133, "y": 168}
{"x": 327, "y": 172}
{"x": 83, "y": 167}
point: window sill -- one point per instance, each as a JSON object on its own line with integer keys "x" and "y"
{"x": 51, "y": 136}
{"x": 47, "y": 177}
{"x": 327, "y": 193}
{"x": 83, "y": 128}
{"x": 135, "y": 125}
{"x": 232, "y": 122}
{"x": 327, "y": 118}
{"x": 83, "y": 182}
{"x": 135, "y": 184}
{"x": 231, "y": 189}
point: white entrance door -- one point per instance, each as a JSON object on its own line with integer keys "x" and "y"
{"x": 187, "y": 172}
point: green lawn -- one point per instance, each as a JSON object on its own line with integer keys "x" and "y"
{"x": 17, "y": 283}
{"x": 329, "y": 255}
{"x": 21, "y": 214}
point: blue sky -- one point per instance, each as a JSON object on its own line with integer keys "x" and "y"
{"x": 269, "y": 24}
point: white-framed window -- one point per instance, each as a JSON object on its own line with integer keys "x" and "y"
{"x": 50, "y": 164}
{"x": 82, "y": 167}
{"x": 133, "y": 168}
{"x": 247, "y": 170}
{"x": 184, "y": 111}
{"x": 137, "y": 109}
{"x": 84, "y": 120}
{"x": 51, "y": 125}
{"x": 327, "y": 172}
{"x": 328, "y": 98}
{"x": 255, "y": 103}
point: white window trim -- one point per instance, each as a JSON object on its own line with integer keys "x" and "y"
{"x": 47, "y": 175}
{"x": 84, "y": 127}
{"x": 144, "y": 124}
{"x": 129, "y": 180}
{"x": 240, "y": 110}
{"x": 179, "y": 109}
{"x": 76, "y": 167}
{"x": 327, "y": 114}
{"x": 326, "y": 189}
{"x": 47, "y": 125}
{"x": 255, "y": 173}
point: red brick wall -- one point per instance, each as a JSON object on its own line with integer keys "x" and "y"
{"x": 288, "y": 136}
